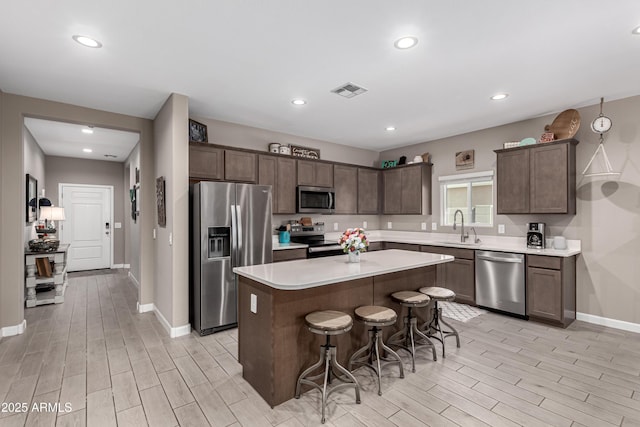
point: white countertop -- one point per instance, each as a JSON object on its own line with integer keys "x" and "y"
{"x": 310, "y": 273}
{"x": 490, "y": 243}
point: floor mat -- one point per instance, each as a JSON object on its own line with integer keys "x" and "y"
{"x": 460, "y": 312}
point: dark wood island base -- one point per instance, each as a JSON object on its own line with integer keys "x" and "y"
{"x": 274, "y": 345}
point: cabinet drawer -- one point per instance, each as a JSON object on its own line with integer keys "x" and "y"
{"x": 457, "y": 253}
{"x": 375, "y": 246}
{"x": 553, "y": 263}
{"x": 403, "y": 246}
{"x": 289, "y": 254}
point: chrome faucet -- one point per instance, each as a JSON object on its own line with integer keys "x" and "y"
{"x": 463, "y": 236}
{"x": 475, "y": 235}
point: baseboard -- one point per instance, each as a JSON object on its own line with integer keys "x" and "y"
{"x": 9, "y": 331}
{"x": 134, "y": 280}
{"x": 145, "y": 308}
{"x": 173, "y": 332}
{"x": 117, "y": 266}
{"x": 612, "y": 323}
{"x": 126, "y": 265}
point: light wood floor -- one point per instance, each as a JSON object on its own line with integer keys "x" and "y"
{"x": 117, "y": 367}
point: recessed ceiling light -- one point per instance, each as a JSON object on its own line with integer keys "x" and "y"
{"x": 499, "y": 96}
{"x": 636, "y": 31}
{"x": 87, "y": 150}
{"x": 87, "y": 41}
{"x": 298, "y": 102}
{"x": 87, "y": 130}
{"x": 390, "y": 128}
{"x": 406, "y": 42}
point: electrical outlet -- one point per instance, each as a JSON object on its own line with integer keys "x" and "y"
{"x": 254, "y": 303}
{"x": 500, "y": 228}
{"x": 434, "y": 226}
{"x": 154, "y": 234}
{"x": 389, "y": 225}
{"x": 364, "y": 224}
{"x": 170, "y": 239}
{"x": 335, "y": 226}
{"x": 423, "y": 226}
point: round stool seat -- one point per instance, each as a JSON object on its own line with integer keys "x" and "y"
{"x": 375, "y": 315}
{"x": 440, "y": 294}
{"x": 411, "y": 298}
{"x": 328, "y": 322}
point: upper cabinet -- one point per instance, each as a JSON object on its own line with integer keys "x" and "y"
{"x": 345, "y": 180}
{"x": 537, "y": 179}
{"x": 277, "y": 171}
{"x": 316, "y": 174}
{"x": 206, "y": 162}
{"x": 369, "y": 191}
{"x": 407, "y": 190}
{"x": 240, "y": 166}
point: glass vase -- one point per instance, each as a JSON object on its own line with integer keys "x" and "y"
{"x": 354, "y": 256}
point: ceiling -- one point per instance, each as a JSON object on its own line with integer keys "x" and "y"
{"x": 69, "y": 140}
{"x": 243, "y": 61}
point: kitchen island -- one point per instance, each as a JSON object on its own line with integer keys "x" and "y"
{"x": 274, "y": 345}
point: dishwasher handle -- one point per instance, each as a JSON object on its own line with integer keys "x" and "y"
{"x": 500, "y": 259}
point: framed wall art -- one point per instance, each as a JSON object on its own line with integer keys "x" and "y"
{"x": 32, "y": 199}
{"x": 160, "y": 201}
{"x": 465, "y": 159}
{"x": 197, "y": 132}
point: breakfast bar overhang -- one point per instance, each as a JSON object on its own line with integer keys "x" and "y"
{"x": 274, "y": 345}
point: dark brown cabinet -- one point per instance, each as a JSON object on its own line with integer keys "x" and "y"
{"x": 206, "y": 162}
{"x": 345, "y": 180}
{"x": 537, "y": 179}
{"x": 457, "y": 275}
{"x": 240, "y": 166}
{"x": 289, "y": 254}
{"x": 277, "y": 172}
{"x": 403, "y": 246}
{"x": 407, "y": 190}
{"x": 368, "y": 191}
{"x": 316, "y": 174}
{"x": 551, "y": 289}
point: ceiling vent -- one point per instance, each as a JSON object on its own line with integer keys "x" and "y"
{"x": 349, "y": 90}
{"x": 112, "y": 156}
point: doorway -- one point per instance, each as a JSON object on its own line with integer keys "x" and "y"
{"x": 88, "y": 226}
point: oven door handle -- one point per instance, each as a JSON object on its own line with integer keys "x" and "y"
{"x": 325, "y": 249}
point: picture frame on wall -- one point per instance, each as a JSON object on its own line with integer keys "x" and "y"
{"x": 160, "y": 201}
{"x": 465, "y": 159}
{"x": 197, "y": 132}
{"x": 32, "y": 199}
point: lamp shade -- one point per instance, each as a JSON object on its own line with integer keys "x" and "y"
{"x": 52, "y": 213}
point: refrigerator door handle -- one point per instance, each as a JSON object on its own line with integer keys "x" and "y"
{"x": 234, "y": 237}
{"x": 239, "y": 228}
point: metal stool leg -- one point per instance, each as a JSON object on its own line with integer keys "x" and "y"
{"x": 372, "y": 359}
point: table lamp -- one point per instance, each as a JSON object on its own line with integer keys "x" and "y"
{"x": 51, "y": 214}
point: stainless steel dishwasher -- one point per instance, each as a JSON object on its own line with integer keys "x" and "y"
{"x": 500, "y": 281}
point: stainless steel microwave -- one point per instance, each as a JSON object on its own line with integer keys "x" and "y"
{"x": 316, "y": 199}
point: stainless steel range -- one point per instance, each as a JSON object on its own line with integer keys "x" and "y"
{"x": 313, "y": 235}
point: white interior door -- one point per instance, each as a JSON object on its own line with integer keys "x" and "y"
{"x": 88, "y": 225}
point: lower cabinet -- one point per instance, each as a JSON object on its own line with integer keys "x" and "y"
{"x": 458, "y": 275}
{"x": 403, "y": 246}
{"x": 289, "y": 254}
{"x": 551, "y": 289}
{"x": 375, "y": 246}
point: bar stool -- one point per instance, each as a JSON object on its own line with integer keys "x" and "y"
{"x": 328, "y": 323}
{"x": 404, "y": 339}
{"x": 439, "y": 294}
{"x": 369, "y": 355}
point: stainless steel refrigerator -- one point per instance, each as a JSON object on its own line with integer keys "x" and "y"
{"x": 230, "y": 227}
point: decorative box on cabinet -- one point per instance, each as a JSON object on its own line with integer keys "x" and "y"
{"x": 58, "y": 277}
{"x": 551, "y": 289}
{"x": 539, "y": 178}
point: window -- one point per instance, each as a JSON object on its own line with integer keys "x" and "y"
{"x": 472, "y": 194}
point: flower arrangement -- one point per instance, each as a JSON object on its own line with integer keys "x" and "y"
{"x": 354, "y": 241}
